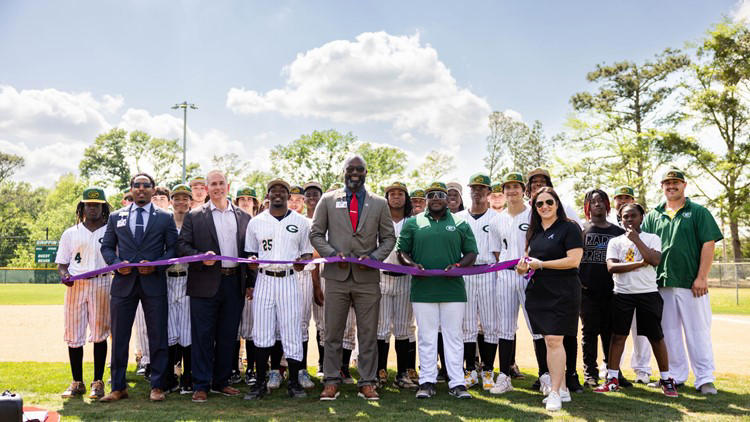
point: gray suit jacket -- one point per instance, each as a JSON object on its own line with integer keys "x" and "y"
{"x": 332, "y": 233}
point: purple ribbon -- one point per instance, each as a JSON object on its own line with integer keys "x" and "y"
{"x": 459, "y": 271}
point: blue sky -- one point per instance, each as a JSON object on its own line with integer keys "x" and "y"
{"x": 73, "y": 69}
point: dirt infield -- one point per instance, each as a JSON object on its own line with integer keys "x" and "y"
{"x": 35, "y": 333}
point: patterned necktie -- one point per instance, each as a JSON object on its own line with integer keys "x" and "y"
{"x": 354, "y": 212}
{"x": 139, "y": 226}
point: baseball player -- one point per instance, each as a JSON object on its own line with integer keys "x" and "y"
{"x": 455, "y": 198}
{"x": 247, "y": 200}
{"x": 178, "y": 326}
{"x": 418, "y": 201}
{"x": 396, "y": 316}
{"x": 283, "y": 235}
{"x": 507, "y": 242}
{"x": 161, "y": 198}
{"x": 86, "y": 300}
{"x": 480, "y": 288}
{"x": 297, "y": 199}
{"x": 497, "y": 198}
{"x": 313, "y": 192}
{"x": 199, "y": 190}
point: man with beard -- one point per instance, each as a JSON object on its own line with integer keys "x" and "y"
{"x": 352, "y": 222}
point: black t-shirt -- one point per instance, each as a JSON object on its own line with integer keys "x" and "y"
{"x": 554, "y": 243}
{"x": 593, "y": 269}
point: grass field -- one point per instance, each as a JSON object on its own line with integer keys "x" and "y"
{"x": 723, "y": 300}
{"x": 41, "y": 384}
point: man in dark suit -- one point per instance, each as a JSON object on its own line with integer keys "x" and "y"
{"x": 216, "y": 290}
{"x": 140, "y": 232}
{"x": 355, "y": 223}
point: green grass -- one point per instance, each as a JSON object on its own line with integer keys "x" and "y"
{"x": 41, "y": 384}
{"x": 723, "y": 300}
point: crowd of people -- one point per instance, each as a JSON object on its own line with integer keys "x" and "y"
{"x": 620, "y": 270}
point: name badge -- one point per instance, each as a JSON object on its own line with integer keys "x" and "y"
{"x": 122, "y": 223}
{"x": 340, "y": 204}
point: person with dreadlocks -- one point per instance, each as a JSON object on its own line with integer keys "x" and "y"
{"x": 86, "y": 300}
{"x": 596, "y": 283}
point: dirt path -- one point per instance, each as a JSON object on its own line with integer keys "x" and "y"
{"x": 35, "y": 333}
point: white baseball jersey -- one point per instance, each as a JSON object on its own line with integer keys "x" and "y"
{"x": 284, "y": 240}
{"x": 395, "y": 314}
{"x": 481, "y": 228}
{"x": 508, "y": 235}
{"x": 87, "y": 301}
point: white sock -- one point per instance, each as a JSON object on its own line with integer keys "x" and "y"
{"x": 664, "y": 375}
{"x": 612, "y": 373}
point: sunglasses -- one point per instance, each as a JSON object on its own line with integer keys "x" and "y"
{"x": 437, "y": 195}
{"x": 549, "y": 202}
{"x": 145, "y": 185}
{"x": 358, "y": 169}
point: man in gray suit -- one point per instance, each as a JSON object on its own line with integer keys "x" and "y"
{"x": 352, "y": 222}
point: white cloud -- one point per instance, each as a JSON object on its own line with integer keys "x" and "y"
{"x": 741, "y": 11}
{"x": 378, "y": 77}
{"x": 43, "y": 165}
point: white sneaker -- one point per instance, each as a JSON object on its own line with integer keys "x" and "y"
{"x": 471, "y": 378}
{"x": 488, "y": 380}
{"x": 564, "y": 396}
{"x": 304, "y": 379}
{"x": 553, "y": 402}
{"x": 546, "y": 383}
{"x": 642, "y": 378}
{"x": 502, "y": 384}
{"x": 274, "y": 379}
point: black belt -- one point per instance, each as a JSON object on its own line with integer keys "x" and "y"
{"x": 277, "y": 273}
{"x": 229, "y": 271}
{"x": 176, "y": 273}
{"x": 394, "y": 274}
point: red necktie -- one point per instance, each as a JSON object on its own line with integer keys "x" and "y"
{"x": 353, "y": 212}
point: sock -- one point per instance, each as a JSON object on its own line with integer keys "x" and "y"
{"x": 187, "y": 365}
{"x": 100, "y": 359}
{"x": 506, "y": 355}
{"x": 261, "y": 361}
{"x": 664, "y": 375}
{"x": 487, "y": 352}
{"x": 402, "y": 355}
{"x": 304, "y": 355}
{"x": 612, "y": 373}
{"x": 250, "y": 352}
{"x": 412, "y": 361}
{"x": 321, "y": 350}
{"x": 570, "y": 343}
{"x": 383, "y": 354}
{"x": 75, "y": 354}
{"x": 294, "y": 367}
{"x": 540, "y": 350}
{"x": 171, "y": 362}
{"x": 441, "y": 353}
{"x": 470, "y": 352}
{"x": 346, "y": 357}
{"x": 236, "y": 356}
{"x": 276, "y": 353}
{"x": 178, "y": 354}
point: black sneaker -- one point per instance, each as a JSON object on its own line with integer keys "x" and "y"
{"x": 186, "y": 389}
{"x": 426, "y": 390}
{"x": 173, "y": 384}
{"x": 624, "y": 382}
{"x": 537, "y": 385}
{"x": 295, "y": 390}
{"x": 147, "y": 372}
{"x": 459, "y": 392}
{"x": 573, "y": 384}
{"x": 668, "y": 387}
{"x": 235, "y": 378}
{"x": 257, "y": 392}
{"x": 250, "y": 378}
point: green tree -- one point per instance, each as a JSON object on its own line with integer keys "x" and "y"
{"x": 617, "y": 128}
{"x": 9, "y": 163}
{"x": 435, "y": 166}
{"x": 232, "y": 166}
{"x": 105, "y": 162}
{"x": 258, "y": 180}
{"x": 385, "y": 164}
{"x": 717, "y": 99}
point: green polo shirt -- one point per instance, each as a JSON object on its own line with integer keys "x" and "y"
{"x": 436, "y": 244}
{"x": 682, "y": 238}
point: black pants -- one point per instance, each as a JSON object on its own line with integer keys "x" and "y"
{"x": 596, "y": 321}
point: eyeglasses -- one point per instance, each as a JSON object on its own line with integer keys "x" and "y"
{"x": 144, "y": 185}
{"x": 549, "y": 202}
{"x": 358, "y": 169}
{"x": 437, "y": 195}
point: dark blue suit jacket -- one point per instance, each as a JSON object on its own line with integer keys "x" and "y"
{"x": 159, "y": 240}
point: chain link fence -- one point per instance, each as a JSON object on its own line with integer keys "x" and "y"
{"x": 29, "y": 275}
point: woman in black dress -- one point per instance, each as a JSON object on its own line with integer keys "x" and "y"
{"x": 554, "y": 247}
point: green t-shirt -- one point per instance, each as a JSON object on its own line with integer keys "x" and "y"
{"x": 436, "y": 244}
{"x": 682, "y": 238}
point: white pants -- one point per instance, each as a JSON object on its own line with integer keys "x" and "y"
{"x": 395, "y": 315}
{"x": 683, "y": 312}
{"x": 510, "y": 296}
{"x": 480, "y": 308}
{"x": 641, "y": 359}
{"x": 246, "y": 323}
{"x": 178, "y": 319}
{"x": 141, "y": 335}
{"x": 446, "y": 316}
{"x": 276, "y": 307}
{"x": 304, "y": 278}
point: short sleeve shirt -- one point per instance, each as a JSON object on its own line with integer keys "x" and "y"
{"x": 80, "y": 248}
{"x": 682, "y": 238}
{"x": 436, "y": 244}
{"x": 641, "y": 280}
{"x": 480, "y": 226}
{"x": 593, "y": 269}
{"x": 278, "y": 240}
{"x": 554, "y": 243}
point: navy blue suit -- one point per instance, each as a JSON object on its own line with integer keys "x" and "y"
{"x": 119, "y": 244}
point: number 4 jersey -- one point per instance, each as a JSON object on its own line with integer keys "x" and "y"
{"x": 278, "y": 240}
{"x": 81, "y": 249}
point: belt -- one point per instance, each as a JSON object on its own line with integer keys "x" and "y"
{"x": 176, "y": 273}
{"x": 277, "y": 273}
{"x": 229, "y": 271}
{"x": 393, "y": 274}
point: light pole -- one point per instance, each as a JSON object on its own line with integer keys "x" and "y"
{"x": 184, "y": 106}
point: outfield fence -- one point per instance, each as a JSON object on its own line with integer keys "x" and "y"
{"x": 29, "y": 275}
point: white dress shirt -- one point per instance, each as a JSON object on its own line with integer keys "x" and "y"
{"x": 226, "y": 232}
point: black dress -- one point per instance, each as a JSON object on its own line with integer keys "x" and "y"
{"x": 553, "y": 297}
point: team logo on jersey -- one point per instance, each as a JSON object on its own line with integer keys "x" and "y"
{"x": 100, "y": 240}
{"x": 450, "y": 228}
{"x": 292, "y": 228}
{"x": 687, "y": 214}
{"x": 486, "y": 228}
{"x": 523, "y": 227}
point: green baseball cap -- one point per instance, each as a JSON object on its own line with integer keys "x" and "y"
{"x": 246, "y": 191}
{"x": 514, "y": 177}
{"x": 624, "y": 191}
{"x": 480, "y": 179}
{"x": 396, "y": 185}
{"x": 94, "y": 194}
{"x": 673, "y": 174}
{"x": 497, "y": 187}
{"x": 296, "y": 190}
{"x": 182, "y": 188}
{"x": 417, "y": 193}
{"x": 436, "y": 186}
{"x": 197, "y": 179}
